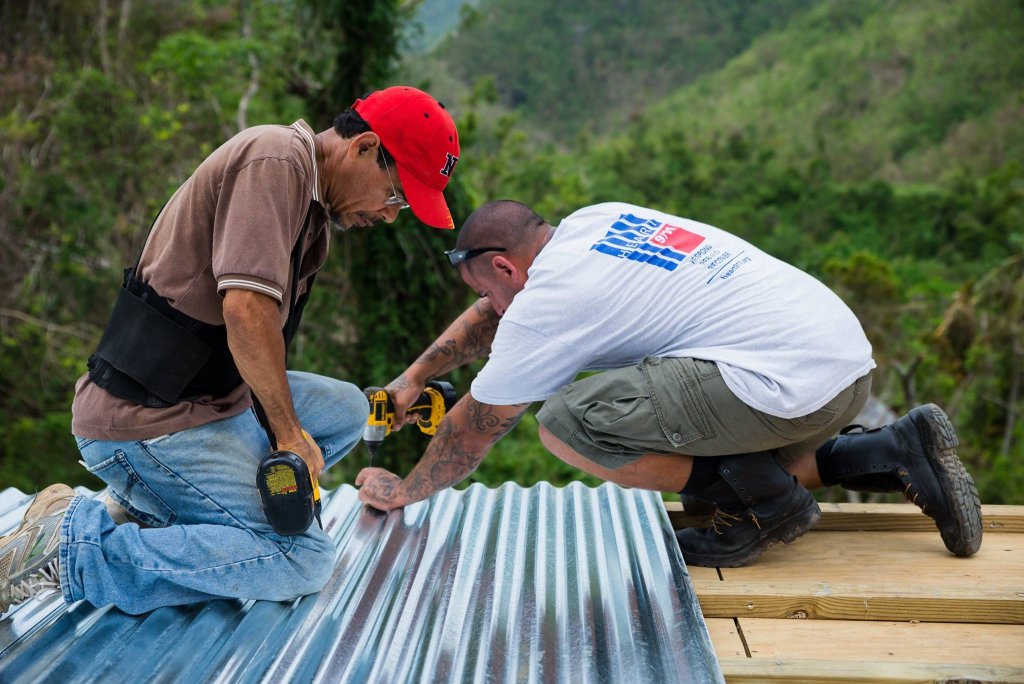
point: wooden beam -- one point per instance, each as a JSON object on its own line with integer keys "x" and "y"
{"x": 741, "y": 670}
{"x": 825, "y": 600}
{"x": 873, "y": 576}
{"x": 842, "y": 642}
{"x": 845, "y": 517}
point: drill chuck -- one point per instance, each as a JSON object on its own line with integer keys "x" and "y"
{"x": 374, "y": 436}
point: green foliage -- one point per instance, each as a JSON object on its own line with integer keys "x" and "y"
{"x": 876, "y": 89}
{"x": 593, "y": 63}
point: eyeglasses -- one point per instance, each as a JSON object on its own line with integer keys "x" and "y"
{"x": 457, "y": 256}
{"x": 395, "y": 200}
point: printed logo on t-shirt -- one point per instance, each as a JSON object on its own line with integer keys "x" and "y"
{"x": 648, "y": 241}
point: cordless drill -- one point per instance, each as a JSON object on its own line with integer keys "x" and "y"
{"x": 290, "y": 495}
{"x": 437, "y": 399}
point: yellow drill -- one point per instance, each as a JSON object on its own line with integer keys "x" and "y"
{"x": 437, "y": 399}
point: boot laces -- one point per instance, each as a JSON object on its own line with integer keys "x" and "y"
{"x": 723, "y": 518}
{"x": 728, "y": 519}
{"x": 909, "y": 492}
{"x": 46, "y": 577}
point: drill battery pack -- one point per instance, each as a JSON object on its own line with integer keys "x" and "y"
{"x": 291, "y": 499}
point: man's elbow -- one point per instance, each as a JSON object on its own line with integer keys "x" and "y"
{"x": 246, "y": 307}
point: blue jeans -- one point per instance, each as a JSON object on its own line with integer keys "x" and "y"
{"x": 197, "y": 489}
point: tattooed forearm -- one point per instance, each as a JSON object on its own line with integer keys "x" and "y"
{"x": 467, "y": 339}
{"x": 445, "y": 463}
{"x": 436, "y": 351}
{"x": 460, "y": 444}
{"x": 478, "y": 338}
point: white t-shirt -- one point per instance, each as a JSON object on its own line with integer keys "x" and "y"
{"x": 618, "y": 282}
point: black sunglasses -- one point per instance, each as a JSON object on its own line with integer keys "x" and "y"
{"x": 457, "y": 256}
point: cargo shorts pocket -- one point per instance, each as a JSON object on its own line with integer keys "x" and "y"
{"x": 817, "y": 420}
{"x": 131, "y": 492}
{"x": 681, "y": 419}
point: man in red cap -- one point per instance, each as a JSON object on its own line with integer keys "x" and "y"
{"x": 188, "y": 389}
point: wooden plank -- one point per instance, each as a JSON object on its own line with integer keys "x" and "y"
{"x": 759, "y": 670}
{"x": 871, "y": 576}
{"x": 698, "y": 573}
{"x": 725, "y": 638}
{"x": 838, "y": 517}
{"x": 822, "y": 600}
{"x": 905, "y": 517}
{"x": 881, "y": 642}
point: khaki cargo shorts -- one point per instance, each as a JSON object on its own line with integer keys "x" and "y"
{"x": 682, "y": 406}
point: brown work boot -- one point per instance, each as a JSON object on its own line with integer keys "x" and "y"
{"x": 758, "y": 504}
{"x": 916, "y": 455}
{"x": 29, "y": 555}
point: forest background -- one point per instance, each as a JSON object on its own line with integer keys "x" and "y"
{"x": 875, "y": 144}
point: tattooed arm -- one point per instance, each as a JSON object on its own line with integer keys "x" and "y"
{"x": 467, "y": 339}
{"x": 463, "y": 439}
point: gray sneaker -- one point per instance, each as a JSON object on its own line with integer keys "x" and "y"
{"x": 28, "y": 556}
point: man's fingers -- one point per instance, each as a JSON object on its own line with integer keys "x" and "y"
{"x": 363, "y": 475}
{"x": 366, "y": 474}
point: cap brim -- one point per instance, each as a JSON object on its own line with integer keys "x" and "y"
{"x": 426, "y": 202}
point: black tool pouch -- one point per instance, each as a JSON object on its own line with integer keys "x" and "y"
{"x": 158, "y": 354}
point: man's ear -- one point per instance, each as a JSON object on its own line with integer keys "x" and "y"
{"x": 503, "y": 267}
{"x": 363, "y": 144}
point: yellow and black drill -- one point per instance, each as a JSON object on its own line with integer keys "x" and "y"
{"x": 290, "y": 495}
{"x": 437, "y": 399}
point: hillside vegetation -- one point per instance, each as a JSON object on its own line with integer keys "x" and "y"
{"x": 905, "y": 91}
{"x": 899, "y": 90}
{"x": 593, "y": 63}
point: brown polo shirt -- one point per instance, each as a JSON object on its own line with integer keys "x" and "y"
{"x": 233, "y": 224}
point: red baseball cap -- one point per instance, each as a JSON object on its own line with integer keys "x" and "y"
{"x": 421, "y": 136}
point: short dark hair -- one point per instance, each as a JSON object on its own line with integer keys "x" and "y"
{"x": 349, "y": 124}
{"x": 501, "y": 223}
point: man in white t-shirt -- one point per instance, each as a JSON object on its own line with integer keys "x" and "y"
{"x": 726, "y": 373}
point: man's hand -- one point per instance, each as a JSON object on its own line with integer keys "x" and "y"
{"x": 461, "y": 442}
{"x": 308, "y": 450}
{"x": 403, "y": 393}
{"x": 381, "y": 489}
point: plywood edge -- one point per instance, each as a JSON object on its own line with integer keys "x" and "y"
{"x": 794, "y": 670}
{"x": 850, "y": 517}
{"x": 812, "y": 600}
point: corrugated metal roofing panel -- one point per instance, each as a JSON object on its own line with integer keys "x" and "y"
{"x": 481, "y": 585}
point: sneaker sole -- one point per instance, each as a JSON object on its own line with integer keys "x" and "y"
{"x": 37, "y": 509}
{"x": 940, "y": 443}
{"x": 796, "y": 526}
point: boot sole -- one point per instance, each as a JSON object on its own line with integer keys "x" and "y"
{"x": 796, "y": 526}
{"x": 940, "y": 443}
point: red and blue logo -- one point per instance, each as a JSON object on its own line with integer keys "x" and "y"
{"x": 648, "y": 241}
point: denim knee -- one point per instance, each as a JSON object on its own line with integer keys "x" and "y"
{"x": 312, "y": 564}
{"x": 352, "y": 401}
